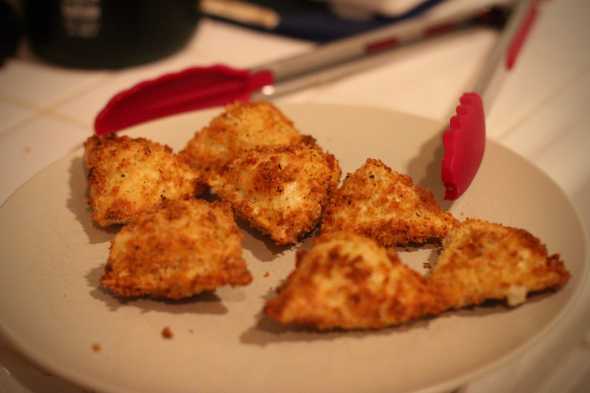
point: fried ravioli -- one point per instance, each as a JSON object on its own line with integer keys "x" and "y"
{"x": 386, "y": 206}
{"x": 241, "y": 127}
{"x": 346, "y": 281}
{"x": 179, "y": 250}
{"x": 482, "y": 261}
{"x": 128, "y": 176}
{"x": 280, "y": 191}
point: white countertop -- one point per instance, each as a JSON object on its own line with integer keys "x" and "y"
{"x": 541, "y": 112}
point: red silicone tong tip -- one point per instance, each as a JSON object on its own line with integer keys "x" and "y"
{"x": 186, "y": 90}
{"x": 464, "y": 145}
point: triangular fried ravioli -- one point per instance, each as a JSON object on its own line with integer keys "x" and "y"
{"x": 176, "y": 251}
{"x": 379, "y": 203}
{"x": 346, "y": 281}
{"x": 281, "y": 191}
{"x": 482, "y": 261}
{"x": 239, "y": 128}
{"x": 128, "y": 176}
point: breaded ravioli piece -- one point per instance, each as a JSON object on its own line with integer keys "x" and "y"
{"x": 482, "y": 261}
{"x": 179, "y": 250}
{"x": 127, "y": 176}
{"x": 280, "y": 191}
{"x": 346, "y": 281}
{"x": 241, "y": 127}
{"x": 377, "y": 202}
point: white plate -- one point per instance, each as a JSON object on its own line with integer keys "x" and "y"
{"x": 53, "y": 310}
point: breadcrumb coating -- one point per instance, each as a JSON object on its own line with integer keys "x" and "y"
{"x": 183, "y": 248}
{"x": 281, "y": 191}
{"x": 241, "y": 127}
{"x": 128, "y": 176}
{"x": 346, "y": 281}
{"x": 379, "y": 203}
{"x": 482, "y": 260}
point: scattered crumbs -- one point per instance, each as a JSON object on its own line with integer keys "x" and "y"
{"x": 96, "y": 347}
{"x": 266, "y": 274}
{"x": 167, "y": 332}
{"x": 27, "y": 149}
{"x": 191, "y": 331}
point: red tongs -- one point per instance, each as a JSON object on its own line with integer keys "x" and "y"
{"x": 465, "y": 138}
{"x": 209, "y": 86}
{"x": 204, "y": 87}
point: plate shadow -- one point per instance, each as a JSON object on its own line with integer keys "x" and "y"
{"x": 77, "y": 203}
{"x": 267, "y": 332}
{"x": 203, "y": 303}
{"x": 426, "y": 168}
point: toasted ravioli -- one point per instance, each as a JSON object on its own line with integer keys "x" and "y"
{"x": 183, "y": 248}
{"x": 347, "y": 281}
{"x": 127, "y": 176}
{"x": 281, "y": 191}
{"x": 386, "y": 206}
{"x": 241, "y": 127}
{"x": 482, "y": 261}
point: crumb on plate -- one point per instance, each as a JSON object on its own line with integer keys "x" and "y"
{"x": 167, "y": 332}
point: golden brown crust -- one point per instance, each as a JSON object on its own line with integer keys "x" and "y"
{"x": 482, "y": 261}
{"x": 281, "y": 190}
{"x": 347, "y": 281}
{"x": 379, "y": 203}
{"x": 241, "y": 127}
{"x": 179, "y": 250}
{"x": 128, "y": 176}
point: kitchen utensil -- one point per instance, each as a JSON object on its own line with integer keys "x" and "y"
{"x": 465, "y": 138}
{"x": 203, "y": 87}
